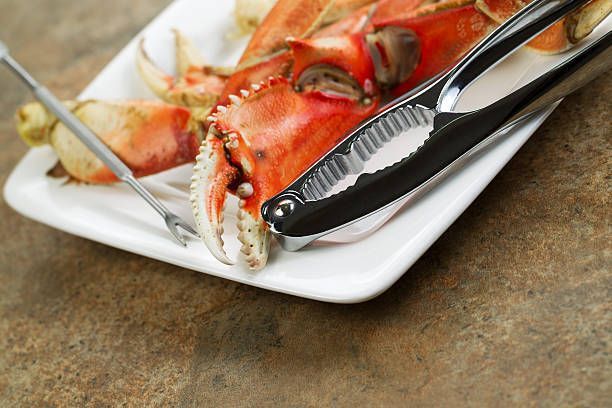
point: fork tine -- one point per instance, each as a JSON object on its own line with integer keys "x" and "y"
{"x": 188, "y": 228}
{"x": 171, "y": 224}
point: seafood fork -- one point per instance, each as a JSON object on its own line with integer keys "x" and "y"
{"x": 307, "y": 209}
{"x": 89, "y": 139}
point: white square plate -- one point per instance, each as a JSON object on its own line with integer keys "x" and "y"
{"x": 328, "y": 270}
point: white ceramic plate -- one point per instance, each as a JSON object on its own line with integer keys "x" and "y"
{"x": 328, "y": 270}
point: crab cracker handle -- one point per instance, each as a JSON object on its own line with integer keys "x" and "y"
{"x": 441, "y": 94}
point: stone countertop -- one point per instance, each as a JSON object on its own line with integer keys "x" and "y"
{"x": 510, "y": 306}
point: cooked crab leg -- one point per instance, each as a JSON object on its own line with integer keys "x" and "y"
{"x": 149, "y": 137}
{"x": 264, "y": 155}
{"x": 249, "y": 14}
{"x": 466, "y": 22}
{"x": 267, "y": 53}
{"x": 291, "y": 18}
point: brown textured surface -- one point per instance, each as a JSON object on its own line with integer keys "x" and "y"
{"x": 511, "y": 305}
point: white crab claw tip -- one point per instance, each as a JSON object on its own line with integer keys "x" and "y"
{"x": 209, "y": 221}
{"x": 154, "y": 77}
{"x": 255, "y": 238}
{"x": 244, "y": 93}
{"x": 235, "y": 100}
{"x": 219, "y": 253}
{"x": 255, "y": 87}
{"x": 222, "y": 108}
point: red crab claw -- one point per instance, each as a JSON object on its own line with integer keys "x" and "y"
{"x": 268, "y": 53}
{"x": 270, "y": 134}
{"x": 148, "y": 136}
{"x": 256, "y": 146}
{"x": 197, "y": 84}
{"x": 446, "y": 30}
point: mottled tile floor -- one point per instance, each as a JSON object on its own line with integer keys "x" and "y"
{"x": 511, "y": 305}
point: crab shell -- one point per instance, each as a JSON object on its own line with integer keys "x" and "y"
{"x": 267, "y": 136}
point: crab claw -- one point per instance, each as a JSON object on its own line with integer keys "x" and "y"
{"x": 212, "y": 175}
{"x": 266, "y": 137}
{"x": 215, "y": 174}
{"x": 198, "y": 85}
{"x": 149, "y": 136}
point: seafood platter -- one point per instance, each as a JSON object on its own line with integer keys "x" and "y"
{"x": 218, "y": 106}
